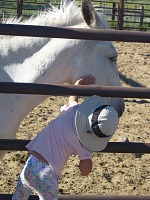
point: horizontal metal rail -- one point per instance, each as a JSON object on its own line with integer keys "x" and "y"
{"x": 84, "y": 197}
{"x": 64, "y": 90}
{"x": 74, "y": 33}
{"x": 112, "y": 147}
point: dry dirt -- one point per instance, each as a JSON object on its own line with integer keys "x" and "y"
{"x": 113, "y": 174}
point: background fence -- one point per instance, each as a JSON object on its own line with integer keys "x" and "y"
{"x": 119, "y": 14}
{"x": 125, "y": 15}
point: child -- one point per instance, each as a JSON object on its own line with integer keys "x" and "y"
{"x": 79, "y": 130}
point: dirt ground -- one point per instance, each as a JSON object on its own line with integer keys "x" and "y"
{"x": 113, "y": 173}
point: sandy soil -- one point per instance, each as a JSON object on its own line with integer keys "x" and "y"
{"x": 113, "y": 174}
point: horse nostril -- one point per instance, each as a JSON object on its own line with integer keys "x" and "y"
{"x": 113, "y": 58}
{"x": 121, "y": 110}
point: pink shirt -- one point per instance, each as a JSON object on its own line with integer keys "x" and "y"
{"x": 59, "y": 140}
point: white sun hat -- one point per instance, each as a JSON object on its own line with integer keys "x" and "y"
{"x": 95, "y": 123}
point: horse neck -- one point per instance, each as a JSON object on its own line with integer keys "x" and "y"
{"x": 16, "y": 49}
{"x": 45, "y": 66}
{"x": 14, "y": 108}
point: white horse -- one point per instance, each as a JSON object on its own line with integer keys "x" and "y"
{"x": 56, "y": 61}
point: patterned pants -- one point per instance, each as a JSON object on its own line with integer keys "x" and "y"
{"x": 38, "y": 177}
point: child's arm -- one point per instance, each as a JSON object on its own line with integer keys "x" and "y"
{"x": 85, "y": 80}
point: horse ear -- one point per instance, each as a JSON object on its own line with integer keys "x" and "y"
{"x": 90, "y": 16}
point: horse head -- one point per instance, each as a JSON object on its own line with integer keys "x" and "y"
{"x": 99, "y": 57}
{"x": 55, "y": 61}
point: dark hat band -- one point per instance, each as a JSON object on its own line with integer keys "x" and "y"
{"x": 94, "y": 121}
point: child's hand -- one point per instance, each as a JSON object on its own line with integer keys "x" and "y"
{"x": 86, "y": 80}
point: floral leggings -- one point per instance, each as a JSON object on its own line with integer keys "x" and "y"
{"x": 38, "y": 177}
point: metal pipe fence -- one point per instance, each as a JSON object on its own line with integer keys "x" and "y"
{"x": 106, "y": 91}
{"x": 82, "y": 90}
{"x": 83, "y": 197}
{"x": 112, "y": 147}
{"x": 74, "y": 33}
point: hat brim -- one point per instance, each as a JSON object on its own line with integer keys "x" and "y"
{"x": 89, "y": 140}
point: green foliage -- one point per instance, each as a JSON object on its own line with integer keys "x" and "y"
{"x": 113, "y": 24}
{"x": 144, "y": 27}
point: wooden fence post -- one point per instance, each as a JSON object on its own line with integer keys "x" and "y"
{"x": 113, "y": 11}
{"x": 19, "y": 8}
{"x": 120, "y": 14}
{"x": 141, "y": 16}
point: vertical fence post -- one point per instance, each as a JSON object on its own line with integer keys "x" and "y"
{"x": 135, "y": 15}
{"x": 120, "y": 14}
{"x": 19, "y": 8}
{"x": 113, "y": 11}
{"x": 141, "y": 16}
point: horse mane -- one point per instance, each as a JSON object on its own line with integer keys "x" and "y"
{"x": 68, "y": 14}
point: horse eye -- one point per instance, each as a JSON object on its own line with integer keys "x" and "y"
{"x": 113, "y": 58}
